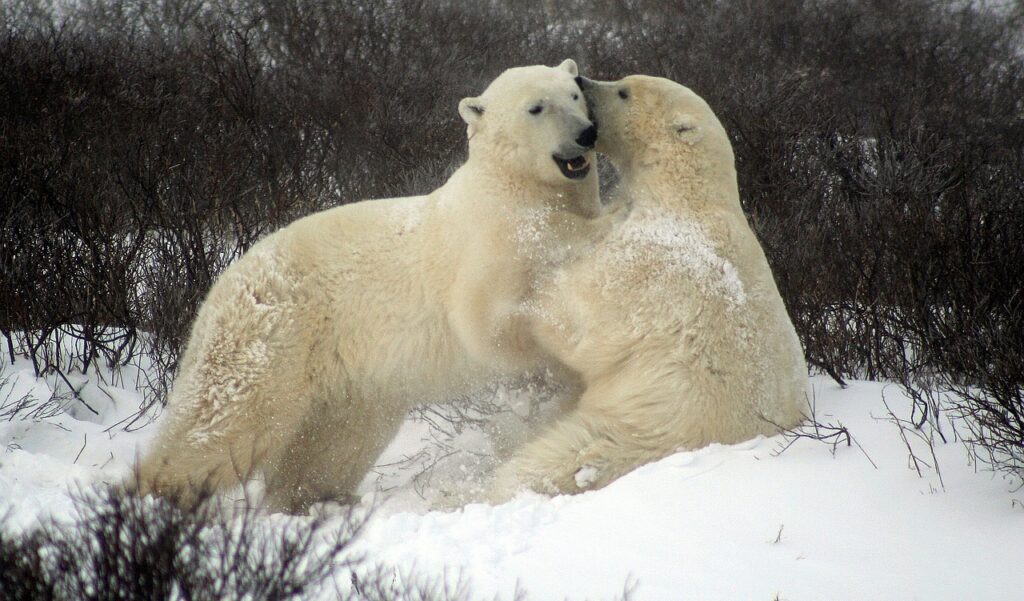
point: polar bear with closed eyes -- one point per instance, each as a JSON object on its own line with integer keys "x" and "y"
{"x": 674, "y": 322}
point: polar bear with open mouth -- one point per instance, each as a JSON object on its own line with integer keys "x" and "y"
{"x": 308, "y": 351}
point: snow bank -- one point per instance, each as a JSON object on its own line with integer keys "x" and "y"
{"x": 724, "y": 522}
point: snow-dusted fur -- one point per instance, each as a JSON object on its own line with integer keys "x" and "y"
{"x": 675, "y": 323}
{"x": 310, "y": 349}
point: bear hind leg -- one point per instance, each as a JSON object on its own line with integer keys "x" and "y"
{"x": 328, "y": 457}
{"x": 580, "y": 451}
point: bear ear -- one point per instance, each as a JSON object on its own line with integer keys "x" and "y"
{"x": 570, "y": 66}
{"x": 471, "y": 109}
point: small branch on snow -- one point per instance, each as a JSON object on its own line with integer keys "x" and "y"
{"x": 107, "y": 462}
{"x": 906, "y": 427}
{"x": 85, "y": 441}
{"x": 829, "y": 433}
{"x": 76, "y": 392}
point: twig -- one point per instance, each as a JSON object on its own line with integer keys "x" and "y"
{"x": 904, "y": 426}
{"x": 75, "y": 392}
{"x": 831, "y": 434}
{"x": 85, "y": 440}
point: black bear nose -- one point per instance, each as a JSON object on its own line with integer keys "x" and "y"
{"x": 588, "y": 137}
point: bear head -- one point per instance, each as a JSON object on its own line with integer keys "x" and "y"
{"x": 647, "y": 122}
{"x": 531, "y": 123}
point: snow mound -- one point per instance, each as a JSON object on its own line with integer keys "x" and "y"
{"x": 745, "y": 521}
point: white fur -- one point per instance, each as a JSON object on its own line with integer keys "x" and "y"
{"x": 675, "y": 323}
{"x": 310, "y": 349}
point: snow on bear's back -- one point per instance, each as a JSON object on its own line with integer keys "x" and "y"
{"x": 667, "y": 250}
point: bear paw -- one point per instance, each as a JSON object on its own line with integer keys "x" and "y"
{"x": 586, "y": 476}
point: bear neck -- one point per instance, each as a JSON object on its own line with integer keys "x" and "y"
{"x": 516, "y": 191}
{"x": 683, "y": 186}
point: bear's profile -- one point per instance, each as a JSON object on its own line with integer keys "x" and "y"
{"x": 310, "y": 349}
{"x": 674, "y": 323}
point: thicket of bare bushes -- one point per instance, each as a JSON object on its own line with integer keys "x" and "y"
{"x": 121, "y": 547}
{"x": 124, "y": 547}
{"x": 880, "y": 148}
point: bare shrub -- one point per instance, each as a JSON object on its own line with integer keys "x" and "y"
{"x": 878, "y": 145}
{"x": 120, "y": 546}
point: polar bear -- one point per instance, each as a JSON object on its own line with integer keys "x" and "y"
{"x": 309, "y": 350}
{"x": 675, "y": 323}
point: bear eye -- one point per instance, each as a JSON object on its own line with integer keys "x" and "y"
{"x": 536, "y": 109}
{"x": 624, "y": 93}
{"x": 575, "y": 96}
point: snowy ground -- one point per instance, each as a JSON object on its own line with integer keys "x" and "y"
{"x": 726, "y": 522}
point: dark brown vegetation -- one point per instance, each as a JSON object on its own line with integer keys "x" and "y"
{"x": 880, "y": 148}
{"x": 119, "y": 547}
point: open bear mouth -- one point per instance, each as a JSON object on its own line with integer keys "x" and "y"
{"x": 574, "y": 168}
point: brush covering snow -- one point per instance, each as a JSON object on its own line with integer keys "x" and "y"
{"x": 724, "y": 522}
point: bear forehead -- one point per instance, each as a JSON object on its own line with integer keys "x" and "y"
{"x": 664, "y": 91}
{"x": 533, "y": 80}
